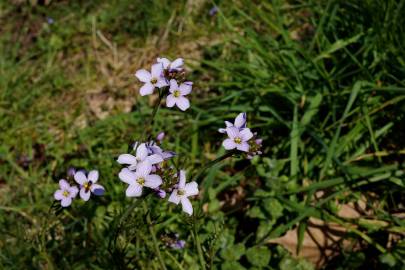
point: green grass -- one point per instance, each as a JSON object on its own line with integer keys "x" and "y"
{"x": 322, "y": 82}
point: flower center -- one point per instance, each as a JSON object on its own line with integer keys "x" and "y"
{"x": 181, "y": 192}
{"x": 237, "y": 140}
{"x": 140, "y": 181}
{"x": 176, "y": 93}
{"x": 65, "y": 193}
{"x": 153, "y": 80}
{"x": 87, "y": 186}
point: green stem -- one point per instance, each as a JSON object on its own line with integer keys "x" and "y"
{"x": 153, "y": 234}
{"x": 154, "y": 112}
{"x": 197, "y": 243}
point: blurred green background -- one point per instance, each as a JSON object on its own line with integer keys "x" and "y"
{"x": 322, "y": 82}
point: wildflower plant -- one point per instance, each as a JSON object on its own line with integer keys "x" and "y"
{"x": 149, "y": 169}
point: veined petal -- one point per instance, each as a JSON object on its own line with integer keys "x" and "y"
{"x": 228, "y": 124}
{"x": 173, "y": 85}
{"x": 246, "y": 134}
{"x": 153, "y": 181}
{"x": 164, "y": 61}
{"x": 186, "y": 205}
{"x": 63, "y": 184}
{"x": 126, "y": 159}
{"x": 147, "y": 89}
{"x": 191, "y": 189}
{"x": 58, "y": 195}
{"x": 155, "y": 158}
{"x": 232, "y": 132}
{"x": 127, "y": 176}
{"x": 143, "y": 169}
{"x": 240, "y": 120}
{"x": 170, "y": 101}
{"x": 141, "y": 152}
{"x": 174, "y": 198}
{"x": 222, "y": 130}
{"x": 66, "y": 201}
{"x": 182, "y": 103}
{"x": 176, "y": 64}
{"x": 244, "y": 146}
{"x": 157, "y": 70}
{"x": 134, "y": 190}
{"x": 84, "y": 195}
{"x": 185, "y": 89}
{"x": 182, "y": 179}
{"x": 93, "y": 176}
{"x": 97, "y": 189}
{"x": 80, "y": 177}
{"x": 143, "y": 75}
{"x": 229, "y": 144}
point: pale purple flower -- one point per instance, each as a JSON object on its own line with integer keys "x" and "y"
{"x": 142, "y": 155}
{"x": 240, "y": 123}
{"x": 50, "y": 20}
{"x": 88, "y": 184}
{"x": 175, "y": 65}
{"x": 151, "y": 79}
{"x": 154, "y": 149}
{"x": 139, "y": 179}
{"x": 178, "y": 244}
{"x": 71, "y": 172}
{"x": 213, "y": 11}
{"x": 66, "y": 193}
{"x": 181, "y": 193}
{"x": 237, "y": 139}
{"x": 177, "y": 93}
{"x": 161, "y": 193}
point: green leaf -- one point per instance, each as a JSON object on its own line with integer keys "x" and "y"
{"x": 258, "y": 256}
{"x": 273, "y": 207}
{"x": 233, "y": 253}
{"x": 232, "y": 266}
{"x": 388, "y": 259}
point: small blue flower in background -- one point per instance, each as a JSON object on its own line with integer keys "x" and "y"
{"x": 49, "y": 20}
{"x": 213, "y": 11}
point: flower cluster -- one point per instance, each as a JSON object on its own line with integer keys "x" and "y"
{"x": 86, "y": 184}
{"x": 168, "y": 77}
{"x": 148, "y": 168}
{"x": 240, "y": 137}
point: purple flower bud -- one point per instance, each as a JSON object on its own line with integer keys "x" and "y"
{"x": 179, "y": 244}
{"x": 71, "y": 172}
{"x": 160, "y": 136}
{"x": 213, "y": 11}
{"x": 161, "y": 193}
{"x": 259, "y": 141}
{"x": 50, "y": 20}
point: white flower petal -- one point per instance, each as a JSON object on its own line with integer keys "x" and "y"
{"x": 147, "y": 89}
{"x": 161, "y": 82}
{"x": 182, "y": 103}
{"x": 154, "y": 159}
{"x": 157, "y": 70}
{"x": 186, "y": 205}
{"x": 191, "y": 189}
{"x": 66, "y": 201}
{"x": 63, "y": 184}
{"x": 84, "y": 195}
{"x": 153, "y": 181}
{"x": 222, "y": 130}
{"x": 232, "y": 132}
{"x": 73, "y": 191}
{"x": 134, "y": 190}
{"x": 229, "y": 144}
{"x": 182, "y": 179}
{"x": 240, "y": 120}
{"x": 143, "y": 75}
{"x": 185, "y": 89}
{"x": 93, "y": 176}
{"x": 80, "y": 177}
{"x": 127, "y": 176}
{"x": 228, "y": 124}
{"x": 174, "y": 198}
{"x": 143, "y": 169}
{"x": 244, "y": 146}
{"x": 173, "y": 86}
{"x": 246, "y": 134}
{"x": 164, "y": 61}
{"x": 58, "y": 195}
{"x": 176, "y": 64}
{"x": 141, "y": 152}
{"x": 170, "y": 101}
{"x": 126, "y": 159}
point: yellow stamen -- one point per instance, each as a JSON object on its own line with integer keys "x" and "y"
{"x": 176, "y": 93}
{"x": 153, "y": 80}
{"x": 237, "y": 140}
{"x": 141, "y": 181}
{"x": 65, "y": 193}
{"x": 180, "y": 192}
